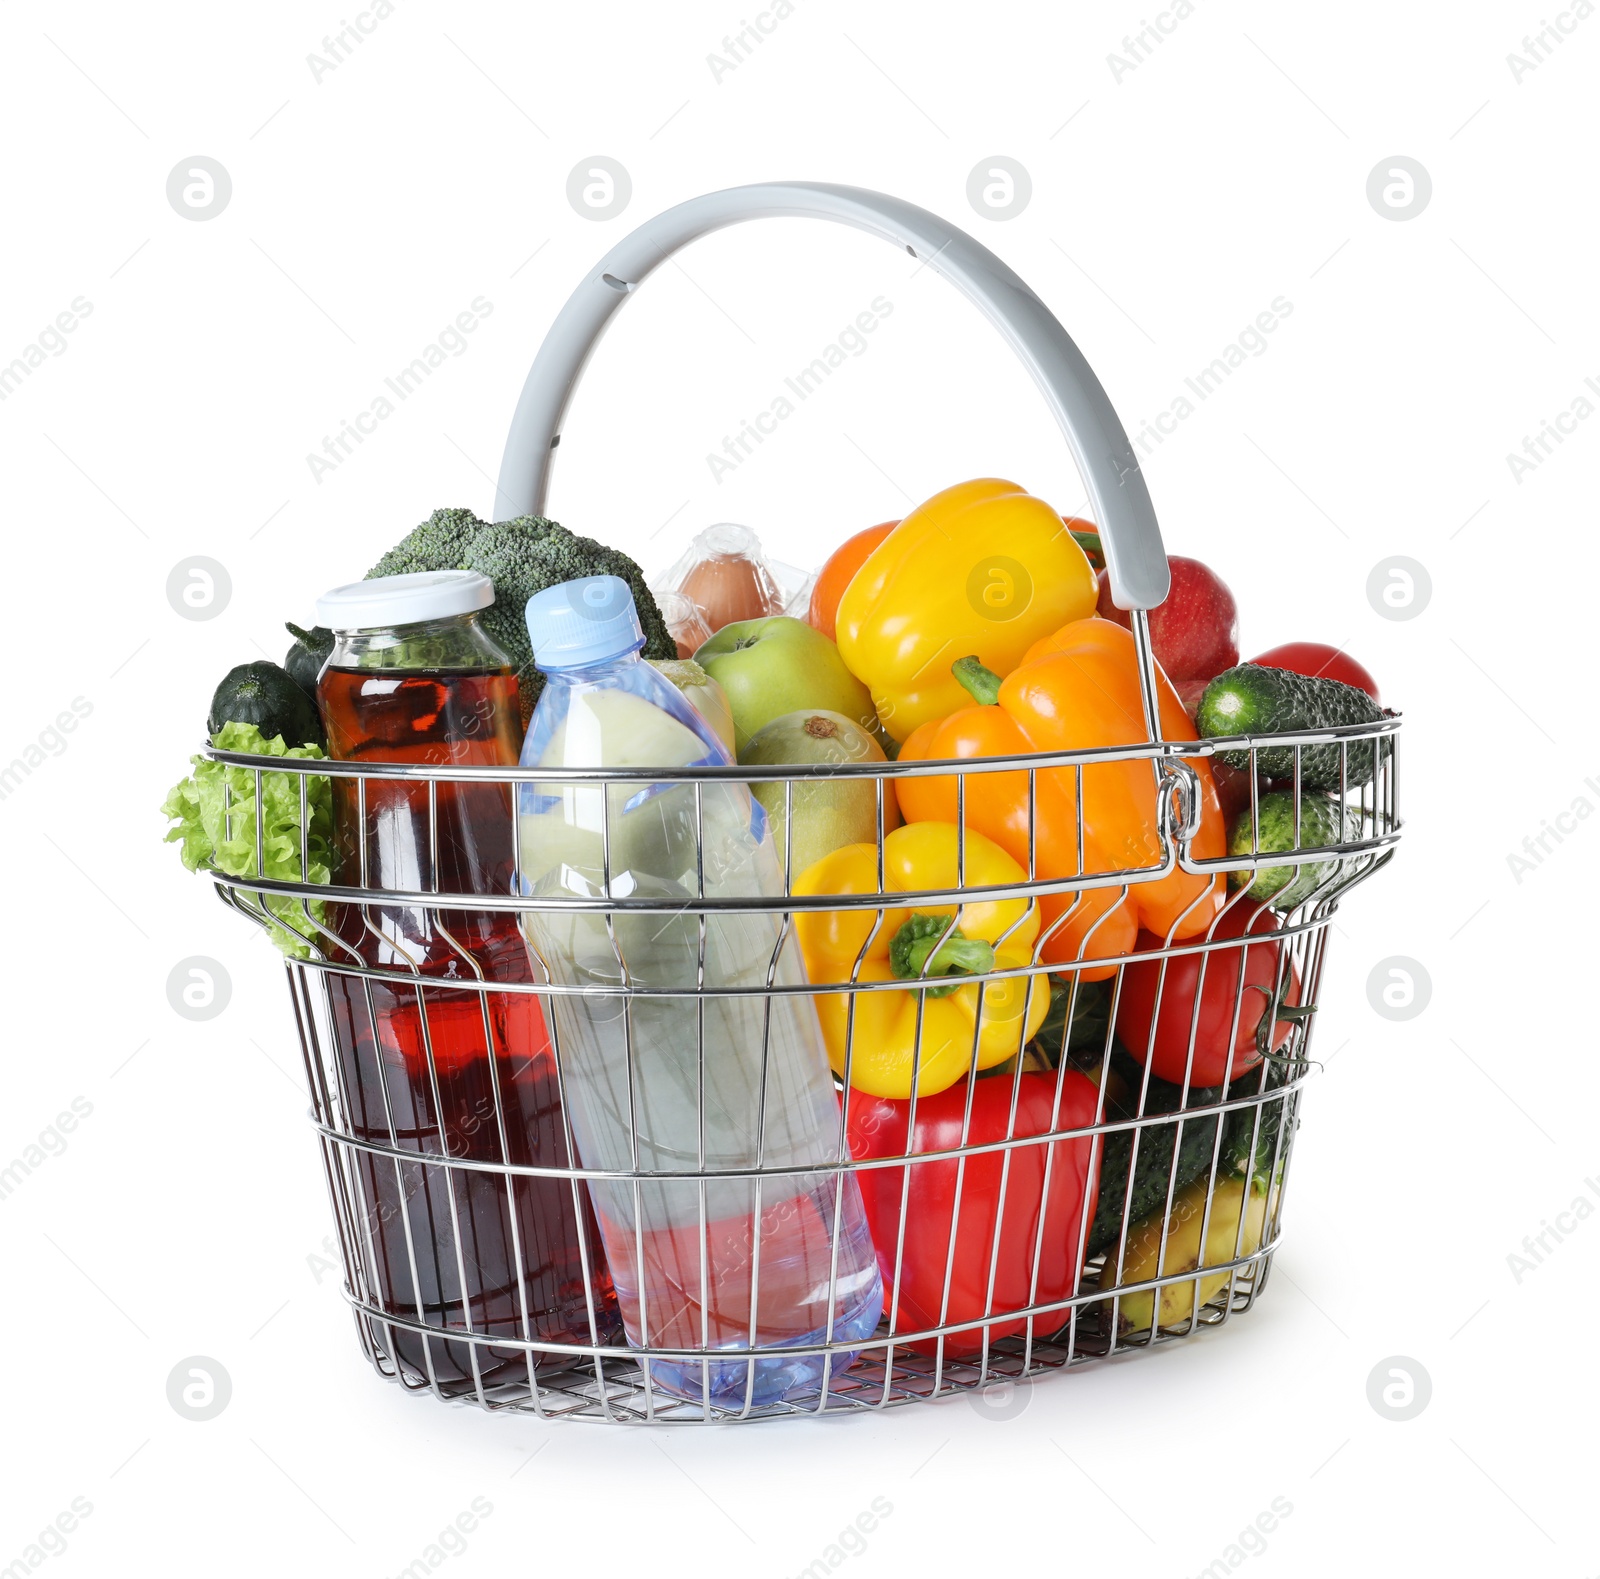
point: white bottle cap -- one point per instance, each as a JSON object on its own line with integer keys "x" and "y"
{"x": 404, "y": 600}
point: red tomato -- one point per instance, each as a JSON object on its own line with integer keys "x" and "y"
{"x": 1212, "y": 1019}
{"x": 1038, "y": 1219}
{"x": 1317, "y": 659}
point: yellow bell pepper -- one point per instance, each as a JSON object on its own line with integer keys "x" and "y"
{"x": 981, "y": 568}
{"x": 888, "y": 1049}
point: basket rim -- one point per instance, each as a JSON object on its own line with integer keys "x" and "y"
{"x": 742, "y": 773}
{"x": 792, "y": 904}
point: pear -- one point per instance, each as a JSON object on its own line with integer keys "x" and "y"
{"x": 702, "y": 693}
{"x": 828, "y": 812}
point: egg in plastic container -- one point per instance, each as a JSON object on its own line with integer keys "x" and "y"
{"x": 727, "y": 577}
{"x": 685, "y": 623}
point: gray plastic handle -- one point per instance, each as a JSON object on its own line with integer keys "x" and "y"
{"x": 1118, "y": 499}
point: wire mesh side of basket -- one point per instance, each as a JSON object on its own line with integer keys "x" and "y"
{"x": 471, "y": 1254}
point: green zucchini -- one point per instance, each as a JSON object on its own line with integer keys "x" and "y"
{"x": 1251, "y": 699}
{"x": 265, "y": 695}
{"x": 305, "y": 659}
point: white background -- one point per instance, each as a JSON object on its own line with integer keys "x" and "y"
{"x": 1169, "y": 208}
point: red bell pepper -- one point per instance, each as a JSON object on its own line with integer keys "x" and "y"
{"x": 1040, "y": 1222}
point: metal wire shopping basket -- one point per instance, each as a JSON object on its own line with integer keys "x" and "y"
{"x": 470, "y": 1251}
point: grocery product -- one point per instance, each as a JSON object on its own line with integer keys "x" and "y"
{"x": 685, "y": 621}
{"x": 827, "y": 812}
{"x": 702, "y": 693}
{"x": 1159, "y": 1158}
{"x": 837, "y": 574}
{"x": 1194, "y": 632}
{"x": 724, "y": 573}
{"x": 982, "y": 568}
{"x": 520, "y": 557}
{"x": 923, "y": 1038}
{"x": 306, "y": 655}
{"x": 1076, "y": 689}
{"x": 961, "y": 1239}
{"x": 221, "y": 824}
{"x": 770, "y": 667}
{"x": 657, "y": 1079}
{"x": 1252, "y": 699}
{"x": 1321, "y": 662}
{"x": 1230, "y": 1215}
{"x": 262, "y": 694}
{"x": 438, "y": 1069}
{"x": 1323, "y": 820}
{"x": 1204, "y": 1017}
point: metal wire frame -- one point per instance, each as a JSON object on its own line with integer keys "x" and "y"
{"x": 428, "y": 1182}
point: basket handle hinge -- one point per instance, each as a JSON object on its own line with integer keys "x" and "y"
{"x": 1180, "y": 800}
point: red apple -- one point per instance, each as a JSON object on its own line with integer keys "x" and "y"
{"x": 1195, "y": 633}
{"x": 1190, "y": 692}
{"x": 1317, "y": 658}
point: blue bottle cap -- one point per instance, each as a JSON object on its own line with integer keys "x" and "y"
{"x": 582, "y": 622}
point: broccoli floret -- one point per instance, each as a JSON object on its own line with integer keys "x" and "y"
{"x": 521, "y": 557}
{"x": 440, "y": 543}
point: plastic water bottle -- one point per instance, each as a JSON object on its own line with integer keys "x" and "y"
{"x": 660, "y": 1079}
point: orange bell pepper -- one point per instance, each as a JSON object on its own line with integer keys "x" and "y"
{"x": 1074, "y": 690}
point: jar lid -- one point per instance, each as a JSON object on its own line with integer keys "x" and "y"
{"x": 404, "y": 600}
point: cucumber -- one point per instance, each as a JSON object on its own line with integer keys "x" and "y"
{"x": 1153, "y": 1170}
{"x": 1124, "y": 1079}
{"x": 1251, "y": 699}
{"x": 1322, "y": 821}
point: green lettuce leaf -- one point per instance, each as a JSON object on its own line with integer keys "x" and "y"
{"x": 218, "y": 800}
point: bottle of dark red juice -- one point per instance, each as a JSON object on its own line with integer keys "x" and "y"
{"x": 425, "y": 1067}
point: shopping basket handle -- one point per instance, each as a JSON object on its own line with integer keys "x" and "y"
{"x": 1118, "y": 499}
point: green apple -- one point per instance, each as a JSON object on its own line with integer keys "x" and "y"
{"x": 775, "y": 666}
